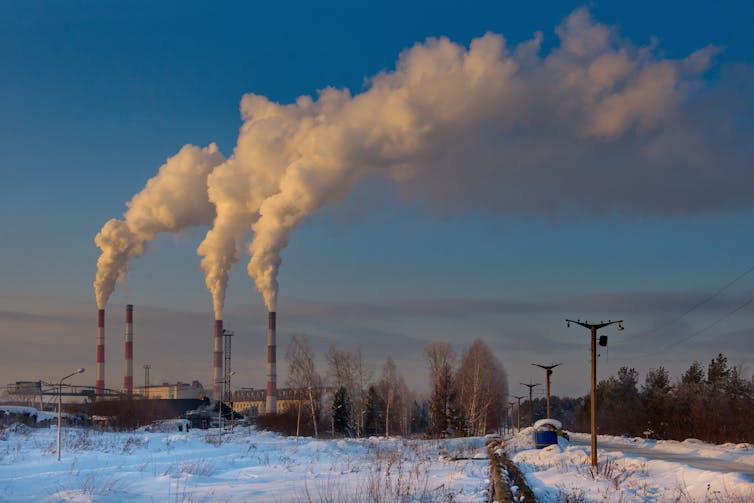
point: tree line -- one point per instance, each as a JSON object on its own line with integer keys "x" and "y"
{"x": 714, "y": 404}
{"x": 467, "y": 394}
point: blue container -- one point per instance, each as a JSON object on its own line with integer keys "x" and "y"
{"x": 545, "y": 438}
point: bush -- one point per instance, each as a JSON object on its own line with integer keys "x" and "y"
{"x": 285, "y": 422}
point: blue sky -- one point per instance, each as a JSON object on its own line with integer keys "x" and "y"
{"x": 95, "y": 96}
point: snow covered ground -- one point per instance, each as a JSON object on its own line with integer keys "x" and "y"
{"x": 241, "y": 466}
{"x": 635, "y": 469}
{"x": 246, "y": 465}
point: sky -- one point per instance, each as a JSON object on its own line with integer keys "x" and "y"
{"x": 566, "y": 187}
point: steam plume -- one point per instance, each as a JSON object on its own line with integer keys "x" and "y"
{"x": 238, "y": 186}
{"x": 172, "y": 200}
{"x": 596, "y": 125}
{"x": 487, "y": 126}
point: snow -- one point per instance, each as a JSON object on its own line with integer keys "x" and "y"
{"x": 31, "y": 411}
{"x": 244, "y": 465}
{"x": 635, "y": 469}
{"x": 250, "y": 465}
{"x": 548, "y": 422}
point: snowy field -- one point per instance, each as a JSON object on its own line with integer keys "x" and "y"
{"x": 635, "y": 469}
{"x": 240, "y": 466}
{"x": 246, "y": 465}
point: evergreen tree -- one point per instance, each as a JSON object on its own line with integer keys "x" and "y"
{"x": 419, "y": 417}
{"x": 441, "y": 359}
{"x": 717, "y": 372}
{"x": 371, "y": 412}
{"x": 656, "y": 400}
{"x": 341, "y": 412}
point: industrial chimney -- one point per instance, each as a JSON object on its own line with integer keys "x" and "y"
{"x": 271, "y": 404}
{"x": 99, "y": 384}
{"x": 217, "y": 369}
{"x": 128, "y": 371}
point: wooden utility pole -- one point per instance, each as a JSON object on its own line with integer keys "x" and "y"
{"x": 510, "y": 411}
{"x": 548, "y": 368}
{"x": 593, "y": 327}
{"x": 518, "y": 411}
{"x": 146, "y": 380}
{"x": 531, "y": 405}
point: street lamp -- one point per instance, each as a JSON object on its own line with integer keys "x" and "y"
{"x": 593, "y": 327}
{"x": 60, "y": 402}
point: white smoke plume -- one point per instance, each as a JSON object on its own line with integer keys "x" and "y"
{"x": 490, "y": 126}
{"x": 238, "y": 186}
{"x": 174, "y": 199}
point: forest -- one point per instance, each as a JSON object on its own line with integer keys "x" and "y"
{"x": 713, "y": 404}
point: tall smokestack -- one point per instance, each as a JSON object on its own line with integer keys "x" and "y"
{"x": 217, "y": 369}
{"x": 272, "y": 394}
{"x": 99, "y": 384}
{"x": 128, "y": 371}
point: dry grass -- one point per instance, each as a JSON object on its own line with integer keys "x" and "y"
{"x": 394, "y": 475}
{"x": 570, "y": 495}
{"x": 198, "y": 467}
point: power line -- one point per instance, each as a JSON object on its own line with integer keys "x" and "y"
{"x": 698, "y": 305}
{"x": 672, "y": 344}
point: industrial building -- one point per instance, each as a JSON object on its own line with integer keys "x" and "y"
{"x": 251, "y": 402}
{"x": 166, "y": 391}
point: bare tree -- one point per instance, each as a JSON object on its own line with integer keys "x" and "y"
{"x": 302, "y": 375}
{"x": 362, "y": 377}
{"x": 442, "y": 361}
{"x": 388, "y": 389}
{"x": 482, "y": 389}
{"x": 341, "y": 368}
{"x": 347, "y": 369}
{"x": 403, "y": 406}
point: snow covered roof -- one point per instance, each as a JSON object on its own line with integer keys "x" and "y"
{"x": 548, "y": 422}
{"x": 31, "y": 411}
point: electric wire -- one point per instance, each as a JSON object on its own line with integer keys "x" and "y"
{"x": 700, "y": 304}
{"x": 698, "y": 332}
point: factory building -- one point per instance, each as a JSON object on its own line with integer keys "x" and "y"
{"x": 253, "y": 402}
{"x": 177, "y": 391}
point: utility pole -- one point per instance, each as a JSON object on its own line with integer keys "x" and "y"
{"x": 531, "y": 405}
{"x": 593, "y": 327}
{"x": 548, "y": 368}
{"x": 146, "y": 380}
{"x": 518, "y": 411}
{"x": 510, "y": 410}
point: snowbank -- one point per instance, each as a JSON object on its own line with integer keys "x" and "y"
{"x": 634, "y": 469}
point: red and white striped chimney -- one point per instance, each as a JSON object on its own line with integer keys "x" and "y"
{"x": 272, "y": 394}
{"x": 128, "y": 371}
{"x": 217, "y": 368}
{"x": 99, "y": 384}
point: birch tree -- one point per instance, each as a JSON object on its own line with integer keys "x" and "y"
{"x": 482, "y": 389}
{"x": 388, "y": 389}
{"x": 302, "y": 374}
